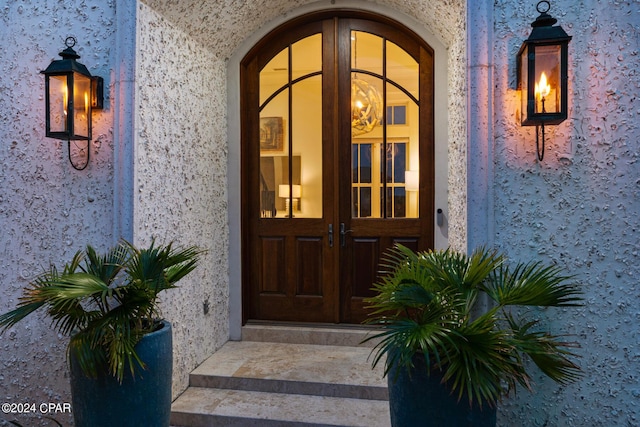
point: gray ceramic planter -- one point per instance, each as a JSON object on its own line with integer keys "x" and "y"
{"x": 420, "y": 400}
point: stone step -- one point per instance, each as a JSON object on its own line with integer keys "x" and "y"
{"x": 323, "y": 370}
{"x": 286, "y": 377}
{"x": 200, "y": 407}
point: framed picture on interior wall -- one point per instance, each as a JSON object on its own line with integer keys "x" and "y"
{"x": 271, "y": 138}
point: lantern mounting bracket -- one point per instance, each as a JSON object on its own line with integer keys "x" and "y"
{"x": 539, "y": 152}
{"x": 86, "y": 163}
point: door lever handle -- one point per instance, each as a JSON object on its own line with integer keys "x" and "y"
{"x": 330, "y": 235}
{"x": 343, "y": 234}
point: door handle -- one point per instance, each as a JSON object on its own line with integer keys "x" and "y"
{"x": 343, "y": 234}
{"x": 330, "y": 235}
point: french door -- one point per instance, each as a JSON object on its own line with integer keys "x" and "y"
{"x": 337, "y": 163}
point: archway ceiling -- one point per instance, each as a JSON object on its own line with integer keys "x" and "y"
{"x": 226, "y": 23}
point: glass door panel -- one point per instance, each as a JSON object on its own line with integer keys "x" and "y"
{"x": 361, "y": 170}
{"x": 366, "y": 83}
{"x": 306, "y": 198}
{"x": 402, "y": 69}
{"x": 403, "y": 160}
{"x": 274, "y": 75}
{"x": 275, "y": 164}
{"x": 385, "y": 148}
{"x": 306, "y": 57}
{"x": 366, "y": 52}
{"x": 395, "y": 200}
{"x": 291, "y": 132}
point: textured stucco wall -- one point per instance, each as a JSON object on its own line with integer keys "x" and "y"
{"x": 226, "y": 25}
{"x": 183, "y": 46}
{"x": 174, "y": 161}
{"x": 223, "y": 26}
{"x": 180, "y": 178}
{"x": 579, "y": 207}
{"x": 457, "y": 182}
{"x": 48, "y": 210}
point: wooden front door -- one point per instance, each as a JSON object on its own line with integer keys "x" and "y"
{"x": 337, "y": 163}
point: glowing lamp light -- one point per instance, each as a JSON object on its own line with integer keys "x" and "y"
{"x": 542, "y": 90}
{"x": 290, "y": 196}
{"x": 412, "y": 180}
{"x": 366, "y": 107}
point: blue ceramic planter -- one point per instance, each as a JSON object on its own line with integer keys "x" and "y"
{"x": 421, "y": 400}
{"x": 144, "y": 401}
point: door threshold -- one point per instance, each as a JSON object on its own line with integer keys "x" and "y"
{"x": 294, "y": 324}
{"x": 310, "y": 333}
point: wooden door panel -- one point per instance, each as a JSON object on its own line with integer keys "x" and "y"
{"x": 366, "y": 253}
{"x": 370, "y": 236}
{"x": 272, "y": 266}
{"x": 361, "y": 262}
{"x": 291, "y": 283}
{"x": 305, "y": 261}
{"x": 294, "y": 268}
{"x": 292, "y": 271}
{"x": 309, "y": 266}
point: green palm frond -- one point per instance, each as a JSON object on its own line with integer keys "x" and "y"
{"x": 147, "y": 268}
{"x": 424, "y": 303}
{"x": 432, "y": 341}
{"x": 549, "y": 352}
{"x": 430, "y": 334}
{"x": 60, "y": 293}
{"x": 484, "y": 364}
{"x": 8, "y": 320}
{"x": 453, "y": 268}
{"x": 64, "y": 296}
{"x": 107, "y": 266}
{"x": 405, "y": 294}
{"x": 532, "y": 284}
{"x": 180, "y": 263}
{"x": 106, "y": 302}
{"x": 159, "y": 268}
{"x": 119, "y": 340}
{"x": 86, "y": 347}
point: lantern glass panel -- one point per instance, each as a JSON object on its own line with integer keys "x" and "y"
{"x": 81, "y": 105}
{"x": 58, "y": 103}
{"x": 547, "y": 79}
{"x": 523, "y": 80}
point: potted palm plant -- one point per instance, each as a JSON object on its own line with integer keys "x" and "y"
{"x": 447, "y": 362}
{"x": 120, "y": 350}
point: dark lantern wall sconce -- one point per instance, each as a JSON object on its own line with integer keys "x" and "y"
{"x": 71, "y": 94}
{"x": 542, "y": 75}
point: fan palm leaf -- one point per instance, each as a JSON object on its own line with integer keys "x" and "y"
{"x": 532, "y": 284}
{"x": 106, "y": 302}
{"x": 108, "y": 266}
{"x": 424, "y": 302}
{"x": 549, "y": 352}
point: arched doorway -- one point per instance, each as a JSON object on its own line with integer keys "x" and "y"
{"x": 328, "y": 185}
